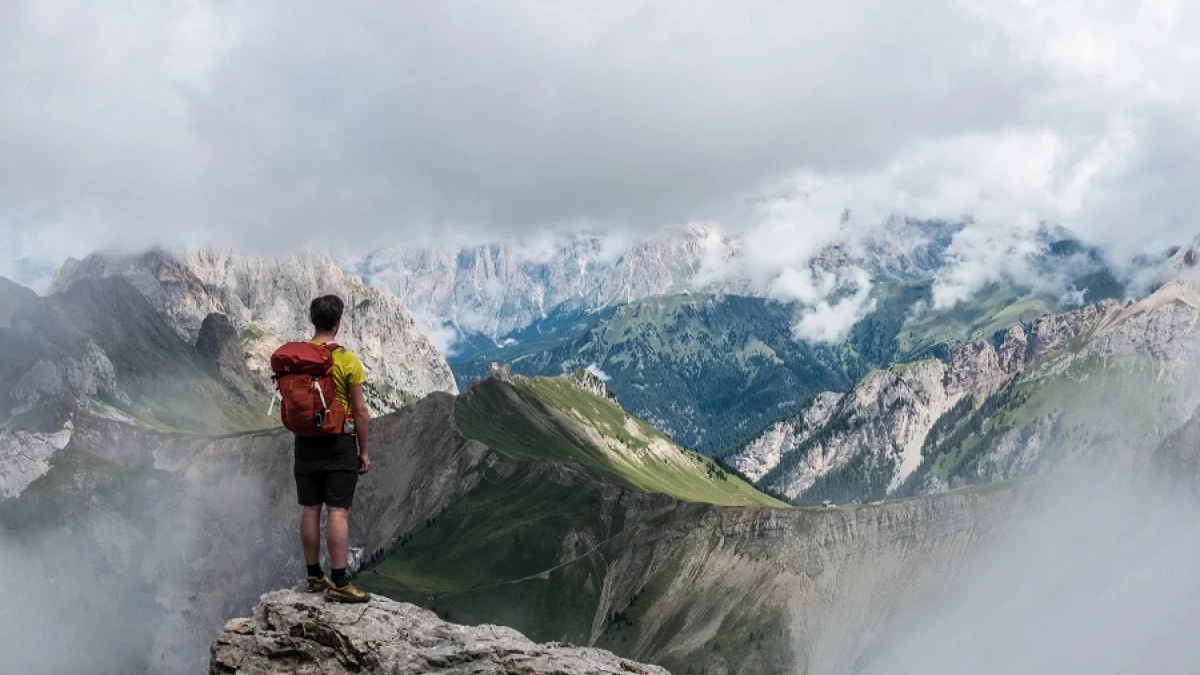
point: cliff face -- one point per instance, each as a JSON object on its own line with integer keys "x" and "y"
{"x": 102, "y": 347}
{"x": 806, "y": 591}
{"x": 878, "y": 430}
{"x": 293, "y": 632}
{"x": 500, "y": 288}
{"x": 202, "y": 525}
{"x": 12, "y": 295}
{"x": 266, "y": 300}
{"x": 1104, "y": 381}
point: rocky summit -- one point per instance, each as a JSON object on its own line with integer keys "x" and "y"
{"x": 294, "y": 632}
{"x": 266, "y": 301}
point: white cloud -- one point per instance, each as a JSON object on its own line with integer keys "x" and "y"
{"x": 595, "y": 370}
{"x": 441, "y": 333}
{"x": 831, "y": 319}
{"x": 272, "y": 124}
{"x": 980, "y": 255}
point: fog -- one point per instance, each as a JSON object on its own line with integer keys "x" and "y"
{"x": 132, "y": 573}
{"x": 67, "y": 609}
{"x": 1099, "y": 577}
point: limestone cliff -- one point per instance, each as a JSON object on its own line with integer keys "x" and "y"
{"x": 878, "y": 430}
{"x": 267, "y": 299}
{"x": 292, "y": 632}
{"x": 495, "y": 289}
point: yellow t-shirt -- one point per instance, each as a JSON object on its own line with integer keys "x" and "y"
{"x": 347, "y": 372}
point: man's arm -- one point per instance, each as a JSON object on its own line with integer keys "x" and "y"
{"x": 362, "y": 418}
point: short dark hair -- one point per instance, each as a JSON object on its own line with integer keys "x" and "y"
{"x": 326, "y": 311}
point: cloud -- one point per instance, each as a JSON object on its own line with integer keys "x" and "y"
{"x": 831, "y": 319}
{"x": 272, "y": 124}
{"x": 441, "y": 333}
{"x": 595, "y": 370}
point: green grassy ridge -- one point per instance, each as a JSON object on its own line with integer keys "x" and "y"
{"x": 496, "y": 556}
{"x": 528, "y": 551}
{"x": 546, "y": 419}
{"x": 994, "y": 308}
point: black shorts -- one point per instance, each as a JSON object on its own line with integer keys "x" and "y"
{"x": 326, "y": 470}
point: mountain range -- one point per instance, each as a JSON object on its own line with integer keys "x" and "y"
{"x": 494, "y": 290}
{"x": 143, "y": 477}
{"x": 997, "y": 408}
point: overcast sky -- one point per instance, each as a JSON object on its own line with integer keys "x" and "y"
{"x": 270, "y": 124}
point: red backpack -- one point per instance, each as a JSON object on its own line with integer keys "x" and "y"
{"x": 304, "y": 377}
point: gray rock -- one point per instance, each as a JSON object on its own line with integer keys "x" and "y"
{"x": 12, "y": 296}
{"x": 888, "y": 415}
{"x": 495, "y": 289}
{"x": 293, "y": 632}
{"x": 590, "y": 382}
{"x": 266, "y": 300}
{"x": 219, "y": 345}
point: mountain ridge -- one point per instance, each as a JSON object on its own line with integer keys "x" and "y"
{"x": 266, "y": 300}
{"x": 991, "y": 411}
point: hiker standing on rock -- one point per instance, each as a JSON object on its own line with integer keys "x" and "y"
{"x": 321, "y": 392}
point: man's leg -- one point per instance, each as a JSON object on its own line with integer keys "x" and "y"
{"x": 337, "y": 534}
{"x": 310, "y": 489}
{"x": 339, "y": 496}
{"x": 310, "y": 534}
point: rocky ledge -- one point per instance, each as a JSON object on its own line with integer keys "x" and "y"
{"x": 293, "y": 632}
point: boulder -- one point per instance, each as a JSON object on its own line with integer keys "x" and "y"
{"x": 294, "y": 632}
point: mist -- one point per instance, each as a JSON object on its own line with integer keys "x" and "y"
{"x": 136, "y": 573}
{"x": 1097, "y": 577}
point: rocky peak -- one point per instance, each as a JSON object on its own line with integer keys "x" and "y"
{"x": 293, "y": 632}
{"x": 500, "y": 371}
{"x": 1013, "y": 349}
{"x": 266, "y": 301}
{"x": 1053, "y": 332}
{"x": 497, "y": 288}
{"x": 591, "y": 382}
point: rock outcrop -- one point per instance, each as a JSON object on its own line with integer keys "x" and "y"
{"x": 26, "y": 456}
{"x": 266, "y": 300}
{"x": 218, "y": 344}
{"x": 12, "y": 295}
{"x": 883, "y": 422}
{"x": 588, "y": 380}
{"x": 292, "y": 633}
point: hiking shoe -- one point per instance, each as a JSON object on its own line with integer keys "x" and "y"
{"x": 318, "y": 584}
{"x": 347, "y": 593}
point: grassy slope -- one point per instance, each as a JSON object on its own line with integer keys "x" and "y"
{"x": 506, "y": 552}
{"x": 1089, "y": 407}
{"x": 500, "y": 555}
{"x": 992, "y": 309}
{"x": 547, "y": 419}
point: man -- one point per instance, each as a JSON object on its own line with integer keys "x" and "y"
{"x": 327, "y": 467}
